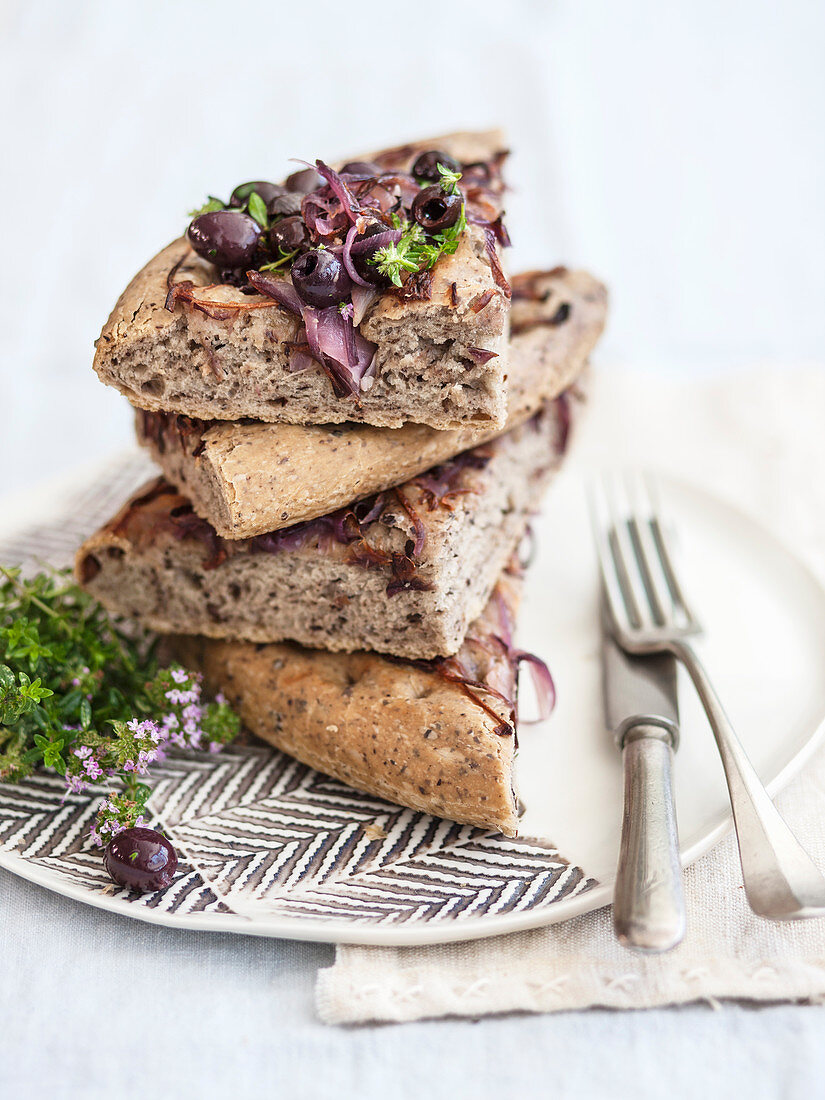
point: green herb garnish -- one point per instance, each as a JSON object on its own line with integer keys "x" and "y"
{"x": 83, "y": 694}
{"x": 449, "y": 180}
{"x": 257, "y": 210}
{"x": 415, "y": 251}
{"x": 286, "y": 257}
{"x": 209, "y": 207}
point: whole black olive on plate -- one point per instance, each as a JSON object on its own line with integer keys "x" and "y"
{"x": 226, "y": 237}
{"x": 288, "y": 234}
{"x": 434, "y": 211}
{"x": 141, "y": 859}
{"x": 426, "y": 166}
{"x": 320, "y": 278}
{"x": 284, "y": 206}
{"x": 360, "y": 169}
{"x": 267, "y": 191}
{"x": 304, "y": 181}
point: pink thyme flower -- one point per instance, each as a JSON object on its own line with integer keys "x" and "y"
{"x": 93, "y": 769}
{"x": 180, "y": 675}
{"x": 82, "y": 751}
{"x": 75, "y": 784}
{"x": 182, "y": 697}
{"x": 220, "y": 698}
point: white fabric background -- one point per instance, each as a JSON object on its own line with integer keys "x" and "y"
{"x": 676, "y": 149}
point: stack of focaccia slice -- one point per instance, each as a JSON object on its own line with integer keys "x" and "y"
{"x": 347, "y": 469}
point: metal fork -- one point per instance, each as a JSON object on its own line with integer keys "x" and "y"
{"x": 648, "y": 613}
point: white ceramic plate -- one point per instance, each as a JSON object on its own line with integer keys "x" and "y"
{"x": 271, "y": 848}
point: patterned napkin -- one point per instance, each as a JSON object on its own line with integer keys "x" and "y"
{"x": 756, "y": 439}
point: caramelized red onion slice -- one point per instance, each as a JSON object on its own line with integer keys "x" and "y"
{"x": 543, "y": 684}
{"x": 343, "y": 353}
{"x": 378, "y": 240}
{"x": 346, "y": 258}
{"x": 362, "y": 299}
{"x": 340, "y": 189}
{"x": 282, "y": 290}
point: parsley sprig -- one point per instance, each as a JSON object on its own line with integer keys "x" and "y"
{"x": 82, "y": 694}
{"x": 417, "y": 251}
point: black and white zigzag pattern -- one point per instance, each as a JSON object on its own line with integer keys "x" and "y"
{"x": 262, "y": 836}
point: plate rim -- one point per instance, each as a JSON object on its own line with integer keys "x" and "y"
{"x": 339, "y": 931}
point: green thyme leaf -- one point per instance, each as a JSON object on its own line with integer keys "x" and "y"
{"x": 257, "y": 210}
{"x": 209, "y": 207}
{"x": 449, "y": 180}
{"x": 415, "y": 251}
{"x": 286, "y": 257}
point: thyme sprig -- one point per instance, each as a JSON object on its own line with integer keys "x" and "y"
{"x": 83, "y": 694}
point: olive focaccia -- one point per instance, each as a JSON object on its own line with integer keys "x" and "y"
{"x": 402, "y": 572}
{"x": 439, "y": 737}
{"x": 249, "y": 477}
{"x": 374, "y": 293}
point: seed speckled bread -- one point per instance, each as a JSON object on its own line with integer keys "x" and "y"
{"x": 228, "y": 357}
{"x": 249, "y": 477}
{"x": 404, "y": 733}
{"x": 402, "y": 573}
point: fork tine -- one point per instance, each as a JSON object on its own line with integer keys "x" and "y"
{"x": 657, "y": 529}
{"x": 626, "y": 558}
{"x": 665, "y": 606}
{"x": 600, "y": 524}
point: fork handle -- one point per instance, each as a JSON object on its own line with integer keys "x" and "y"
{"x": 648, "y": 905}
{"x": 781, "y": 880}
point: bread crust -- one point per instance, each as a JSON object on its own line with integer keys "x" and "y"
{"x": 397, "y": 731}
{"x": 408, "y": 582}
{"x": 249, "y": 477}
{"x": 235, "y": 364}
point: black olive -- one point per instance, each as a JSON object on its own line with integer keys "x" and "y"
{"x": 288, "y": 234}
{"x": 284, "y": 206}
{"x": 360, "y": 169}
{"x": 320, "y": 278}
{"x": 434, "y": 211}
{"x": 232, "y": 276}
{"x": 267, "y": 191}
{"x": 304, "y": 181}
{"x": 141, "y": 859}
{"x": 426, "y": 166}
{"x": 226, "y": 237}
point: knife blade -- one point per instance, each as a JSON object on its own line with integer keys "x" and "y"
{"x": 638, "y": 690}
{"x": 642, "y": 711}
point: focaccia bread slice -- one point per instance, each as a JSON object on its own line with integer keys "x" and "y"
{"x": 183, "y": 339}
{"x": 404, "y": 572}
{"x": 249, "y": 477}
{"x": 438, "y": 737}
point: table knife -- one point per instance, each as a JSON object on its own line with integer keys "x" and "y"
{"x": 641, "y": 708}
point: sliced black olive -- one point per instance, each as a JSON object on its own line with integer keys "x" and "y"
{"x": 360, "y": 169}
{"x": 434, "y": 211}
{"x": 320, "y": 278}
{"x": 285, "y": 205}
{"x": 304, "y": 181}
{"x": 426, "y": 166}
{"x": 288, "y": 234}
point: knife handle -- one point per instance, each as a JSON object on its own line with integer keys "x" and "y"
{"x": 649, "y": 905}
